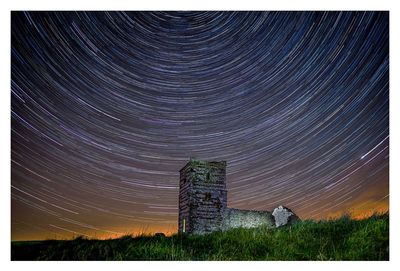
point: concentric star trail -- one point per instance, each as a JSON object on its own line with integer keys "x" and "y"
{"x": 107, "y": 107}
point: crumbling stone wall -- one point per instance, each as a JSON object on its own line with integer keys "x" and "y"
{"x": 236, "y": 218}
{"x": 202, "y": 197}
{"x": 184, "y": 200}
{"x": 203, "y": 202}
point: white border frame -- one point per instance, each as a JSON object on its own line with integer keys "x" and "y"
{"x": 5, "y": 17}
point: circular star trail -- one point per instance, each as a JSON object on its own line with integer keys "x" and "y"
{"x": 108, "y": 106}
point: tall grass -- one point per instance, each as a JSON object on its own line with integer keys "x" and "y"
{"x": 341, "y": 239}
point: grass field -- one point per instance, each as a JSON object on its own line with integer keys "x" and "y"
{"x": 341, "y": 239}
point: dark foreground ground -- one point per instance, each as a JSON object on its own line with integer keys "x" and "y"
{"x": 342, "y": 239}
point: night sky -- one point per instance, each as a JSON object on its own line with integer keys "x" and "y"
{"x": 107, "y": 107}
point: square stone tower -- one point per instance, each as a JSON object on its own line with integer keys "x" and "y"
{"x": 202, "y": 196}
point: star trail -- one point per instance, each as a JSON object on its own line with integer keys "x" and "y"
{"x": 107, "y": 107}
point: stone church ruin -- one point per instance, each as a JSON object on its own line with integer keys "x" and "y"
{"x": 203, "y": 202}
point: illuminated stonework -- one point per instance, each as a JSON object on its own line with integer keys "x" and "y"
{"x": 203, "y": 202}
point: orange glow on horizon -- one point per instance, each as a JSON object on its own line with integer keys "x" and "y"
{"x": 168, "y": 231}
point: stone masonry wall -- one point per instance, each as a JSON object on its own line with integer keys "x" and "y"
{"x": 203, "y": 196}
{"x": 235, "y": 218}
{"x": 206, "y": 210}
{"x": 184, "y": 200}
{"x": 203, "y": 203}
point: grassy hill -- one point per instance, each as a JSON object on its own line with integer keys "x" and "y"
{"x": 341, "y": 239}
